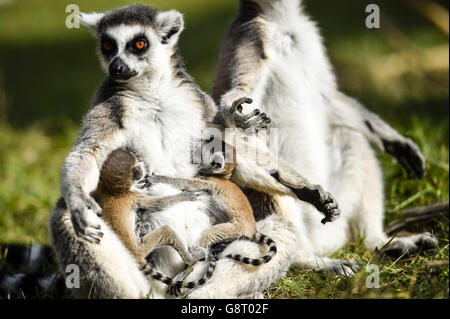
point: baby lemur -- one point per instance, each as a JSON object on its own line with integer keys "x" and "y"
{"x": 120, "y": 204}
{"x": 225, "y": 197}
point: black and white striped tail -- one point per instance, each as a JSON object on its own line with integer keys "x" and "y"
{"x": 176, "y": 285}
{"x": 260, "y": 239}
{"x": 29, "y": 271}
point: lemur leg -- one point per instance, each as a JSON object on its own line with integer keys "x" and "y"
{"x": 351, "y": 113}
{"x": 362, "y": 200}
{"x": 190, "y": 186}
{"x": 248, "y": 68}
{"x": 157, "y": 204}
{"x": 231, "y": 279}
{"x": 163, "y": 236}
{"x": 307, "y": 255}
{"x": 224, "y": 231}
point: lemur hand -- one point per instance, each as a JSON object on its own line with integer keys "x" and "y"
{"x": 408, "y": 155}
{"x": 82, "y": 210}
{"x": 147, "y": 181}
{"x": 321, "y": 200}
{"x": 252, "y": 122}
{"x": 213, "y": 164}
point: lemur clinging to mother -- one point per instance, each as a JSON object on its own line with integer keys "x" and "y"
{"x": 223, "y": 196}
{"x": 273, "y": 53}
{"x": 149, "y": 105}
{"x": 120, "y": 203}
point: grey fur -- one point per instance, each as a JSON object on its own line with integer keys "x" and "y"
{"x": 273, "y": 53}
{"x": 135, "y": 14}
{"x": 79, "y": 236}
{"x": 236, "y": 68}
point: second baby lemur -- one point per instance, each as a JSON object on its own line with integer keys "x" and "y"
{"x": 120, "y": 205}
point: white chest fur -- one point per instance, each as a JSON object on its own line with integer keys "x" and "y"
{"x": 161, "y": 133}
{"x": 297, "y": 73}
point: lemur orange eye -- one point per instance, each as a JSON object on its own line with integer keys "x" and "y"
{"x": 139, "y": 44}
{"x": 107, "y": 46}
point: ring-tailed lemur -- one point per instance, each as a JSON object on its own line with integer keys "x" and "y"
{"x": 274, "y": 54}
{"x": 148, "y": 105}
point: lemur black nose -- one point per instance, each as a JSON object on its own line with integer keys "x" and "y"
{"x": 119, "y": 70}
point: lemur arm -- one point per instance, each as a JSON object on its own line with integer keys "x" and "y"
{"x": 247, "y": 80}
{"x": 81, "y": 170}
{"x": 352, "y": 113}
{"x": 191, "y": 187}
{"x": 150, "y": 204}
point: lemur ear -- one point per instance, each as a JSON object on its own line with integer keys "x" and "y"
{"x": 91, "y": 20}
{"x": 171, "y": 23}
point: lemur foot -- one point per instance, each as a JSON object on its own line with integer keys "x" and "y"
{"x": 345, "y": 268}
{"x": 323, "y": 201}
{"x": 214, "y": 164}
{"x": 408, "y": 155}
{"x": 252, "y": 122}
{"x": 199, "y": 253}
{"x": 406, "y": 247}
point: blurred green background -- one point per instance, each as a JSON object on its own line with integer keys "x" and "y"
{"x": 48, "y": 74}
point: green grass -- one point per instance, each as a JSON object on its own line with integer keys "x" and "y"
{"x": 48, "y": 74}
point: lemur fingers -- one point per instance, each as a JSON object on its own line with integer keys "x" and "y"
{"x": 252, "y": 122}
{"x": 84, "y": 225}
{"x": 147, "y": 181}
{"x": 237, "y": 104}
{"x": 315, "y": 195}
{"x": 321, "y": 200}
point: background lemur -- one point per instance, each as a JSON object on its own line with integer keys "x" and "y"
{"x": 274, "y": 54}
{"x": 148, "y": 105}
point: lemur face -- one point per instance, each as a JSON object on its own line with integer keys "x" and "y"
{"x": 134, "y": 40}
{"x": 119, "y": 171}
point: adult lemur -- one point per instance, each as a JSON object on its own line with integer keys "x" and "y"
{"x": 274, "y": 54}
{"x": 149, "y": 105}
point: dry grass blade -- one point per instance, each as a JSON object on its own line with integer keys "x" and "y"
{"x": 417, "y": 215}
